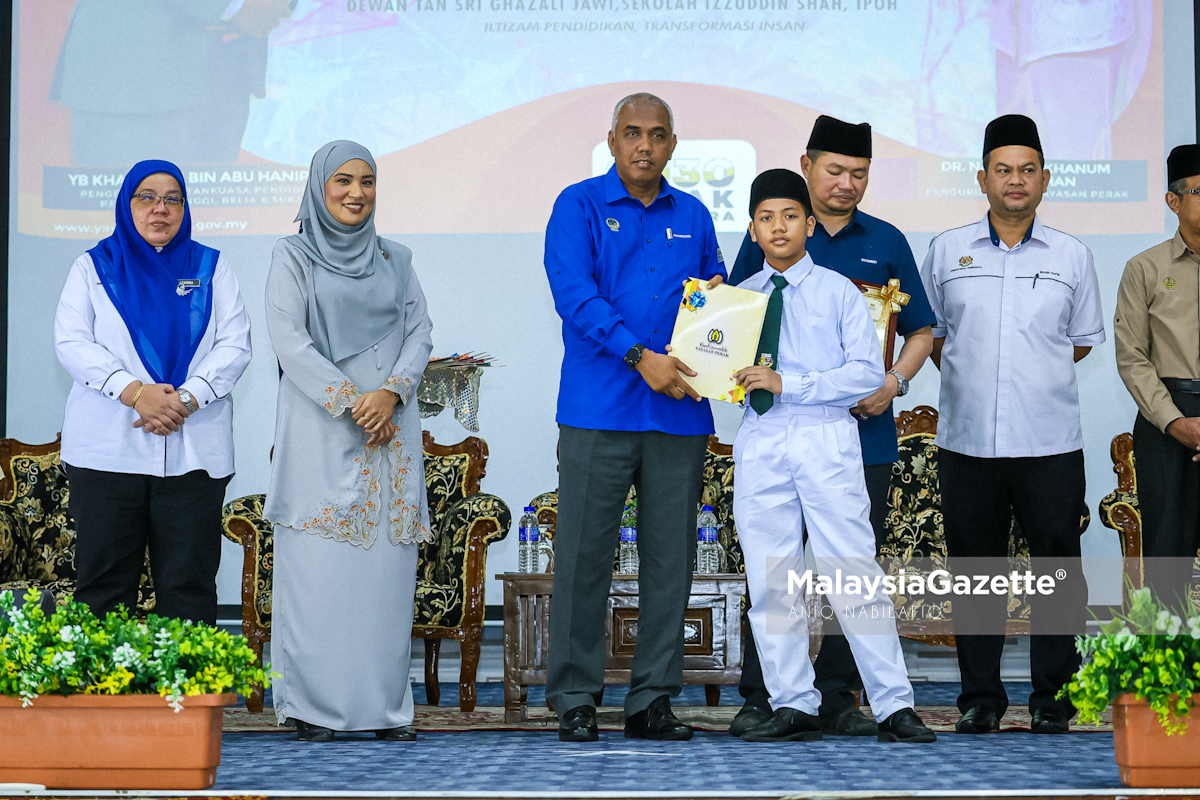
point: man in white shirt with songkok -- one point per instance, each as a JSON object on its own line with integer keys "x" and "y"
{"x": 1017, "y": 303}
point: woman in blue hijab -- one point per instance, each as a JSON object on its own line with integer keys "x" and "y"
{"x": 152, "y": 329}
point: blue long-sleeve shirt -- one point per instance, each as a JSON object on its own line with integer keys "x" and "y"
{"x": 617, "y": 279}
{"x": 868, "y": 249}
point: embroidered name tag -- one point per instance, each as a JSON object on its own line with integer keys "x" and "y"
{"x": 186, "y": 285}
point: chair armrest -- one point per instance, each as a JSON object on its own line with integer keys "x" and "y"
{"x": 243, "y": 523}
{"x": 481, "y": 519}
{"x": 14, "y": 552}
{"x": 485, "y": 517}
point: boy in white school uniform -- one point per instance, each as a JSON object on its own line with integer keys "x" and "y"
{"x": 799, "y": 464}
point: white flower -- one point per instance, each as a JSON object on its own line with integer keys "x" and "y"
{"x": 126, "y": 656}
{"x": 1174, "y": 625}
{"x": 70, "y": 633}
{"x": 1125, "y": 638}
{"x": 63, "y": 659}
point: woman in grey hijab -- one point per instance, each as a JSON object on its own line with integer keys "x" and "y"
{"x": 349, "y": 326}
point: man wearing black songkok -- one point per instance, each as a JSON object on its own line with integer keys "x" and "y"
{"x": 1157, "y": 328}
{"x": 1017, "y": 304}
{"x": 848, "y": 241}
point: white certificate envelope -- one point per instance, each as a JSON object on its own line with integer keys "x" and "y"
{"x": 716, "y": 334}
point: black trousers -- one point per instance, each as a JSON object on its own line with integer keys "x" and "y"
{"x": 1169, "y": 500}
{"x": 595, "y": 470}
{"x": 980, "y": 497}
{"x": 117, "y": 515}
{"x": 837, "y": 675}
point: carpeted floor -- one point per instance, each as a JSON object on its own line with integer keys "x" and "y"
{"x": 491, "y": 761}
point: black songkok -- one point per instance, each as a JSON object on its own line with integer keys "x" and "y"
{"x": 779, "y": 183}
{"x": 1184, "y": 162}
{"x": 1012, "y": 129}
{"x": 834, "y": 136}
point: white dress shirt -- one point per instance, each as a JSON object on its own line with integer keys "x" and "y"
{"x": 829, "y": 354}
{"x": 1011, "y": 319}
{"x": 94, "y": 347}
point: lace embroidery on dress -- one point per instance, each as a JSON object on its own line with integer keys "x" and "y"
{"x": 356, "y": 519}
{"x": 340, "y": 398}
{"x": 405, "y": 513}
{"x": 401, "y": 386}
{"x": 354, "y": 522}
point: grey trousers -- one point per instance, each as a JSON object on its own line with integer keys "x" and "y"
{"x": 596, "y": 469}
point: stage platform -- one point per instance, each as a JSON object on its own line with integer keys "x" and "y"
{"x": 497, "y": 763}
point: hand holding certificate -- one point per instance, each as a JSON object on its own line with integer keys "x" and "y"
{"x": 716, "y": 334}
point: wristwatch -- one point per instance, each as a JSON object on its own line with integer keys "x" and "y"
{"x": 634, "y": 355}
{"x": 900, "y": 379}
{"x": 189, "y": 401}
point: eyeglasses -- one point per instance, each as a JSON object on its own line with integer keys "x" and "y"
{"x": 171, "y": 202}
{"x": 1182, "y": 192}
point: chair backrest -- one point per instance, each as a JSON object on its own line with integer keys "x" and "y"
{"x": 716, "y": 491}
{"x": 35, "y": 489}
{"x": 452, "y": 473}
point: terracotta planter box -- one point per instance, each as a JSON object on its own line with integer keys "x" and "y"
{"x": 1148, "y": 758}
{"x": 112, "y": 742}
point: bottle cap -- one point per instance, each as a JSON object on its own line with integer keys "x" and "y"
{"x": 706, "y": 508}
{"x": 529, "y": 509}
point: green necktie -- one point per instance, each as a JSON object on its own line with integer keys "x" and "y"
{"x": 768, "y": 344}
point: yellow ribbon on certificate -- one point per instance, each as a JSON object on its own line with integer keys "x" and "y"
{"x": 716, "y": 334}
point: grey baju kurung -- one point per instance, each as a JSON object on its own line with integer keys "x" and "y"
{"x": 347, "y": 517}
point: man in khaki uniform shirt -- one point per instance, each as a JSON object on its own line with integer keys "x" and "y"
{"x": 1158, "y": 355}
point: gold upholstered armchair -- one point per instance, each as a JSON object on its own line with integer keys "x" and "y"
{"x": 37, "y": 531}
{"x": 1119, "y": 510}
{"x": 451, "y": 569}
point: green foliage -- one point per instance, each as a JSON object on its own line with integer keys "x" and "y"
{"x": 74, "y": 652}
{"x": 1149, "y": 652}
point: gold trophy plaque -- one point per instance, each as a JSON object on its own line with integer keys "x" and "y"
{"x": 885, "y": 303}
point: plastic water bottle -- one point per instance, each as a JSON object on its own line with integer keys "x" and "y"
{"x": 708, "y": 549}
{"x": 527, "y": 545}
{"x": 629, "y": 551}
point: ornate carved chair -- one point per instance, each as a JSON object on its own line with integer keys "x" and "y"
{"x": 1119, "y": 510}
{"x": 451, "y": 570}
{"x": 717, "y": 492}
{"x": 37, "y": 532}
{"x": 914, "y": 520}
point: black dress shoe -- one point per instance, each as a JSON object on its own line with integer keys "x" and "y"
{"x": 657, "y": 722}
{"x": 787, "y": 725}
{"x": 312, "y": 733}
{"x": 979, "y": 719}
{"x": 906, "y": 727}
{"x": 578, "y": 725}
{"x": 751, "y": 716}
{"x": 404, "y": 733}
{"x": 848, "y": 722}
{"x": 1049, "y": 720}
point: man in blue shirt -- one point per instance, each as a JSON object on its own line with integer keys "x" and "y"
{"x": 618, "y": 249}
{"x": 860, "y": 247}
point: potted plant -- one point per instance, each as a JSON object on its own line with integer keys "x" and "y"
{"x": 1147, "y": 664}
{"x": 117, "y": 703}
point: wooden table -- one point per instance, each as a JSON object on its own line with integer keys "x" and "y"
{"x": 712, "y": 633}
